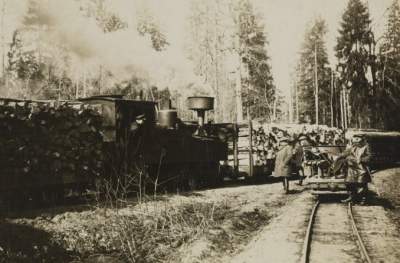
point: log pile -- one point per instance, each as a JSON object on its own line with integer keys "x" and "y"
{"x": 255, "y": 149}
{"x": 44, "y": 144}
{"x": 263, "y": 146}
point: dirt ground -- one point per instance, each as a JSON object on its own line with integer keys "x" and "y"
{"x": 253, "y": 207}
{"x": 282, "y": 239}
{"x": 237, "y": 223}
{"x": 387, "y": 185}
{"x": 203, "y": 226}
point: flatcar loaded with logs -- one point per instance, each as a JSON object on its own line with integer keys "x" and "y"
{"x": 49, "y": 149}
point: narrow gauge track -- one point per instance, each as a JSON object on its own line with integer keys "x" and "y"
{"x": 332, "y": 235}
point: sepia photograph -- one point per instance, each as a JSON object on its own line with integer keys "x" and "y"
{"x": 191, "y": 131}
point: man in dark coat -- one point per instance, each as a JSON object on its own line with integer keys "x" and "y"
{"x": 283, "y": 162}
{"x": 358, "y": 176}
{"x": 300, "y": 147}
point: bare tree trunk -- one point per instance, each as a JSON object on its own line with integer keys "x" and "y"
{"x": 239, "y": 105}
{"x": 348, "y": 115}
{"x": 316, "y": 85}
{"x": 291, "y": 105}
{"x": 3, "y": 12}
{"x": 332, "y": 92}
{"x": 343, "y": 109}
{"x": 297, "y": 103}
{"x": 84, "y": 82}
{"x": 100, "y": 79}
{"x": 77, "y": 88}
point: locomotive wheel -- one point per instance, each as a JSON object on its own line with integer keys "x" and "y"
{"x": 216, "y": 177}
{"x": 182, "y": 182}
{"x": 249, "y": 180}
{"x": 193, "y": 181}
{"x": 6, "y": 199}
{"x": 55, "y": 195}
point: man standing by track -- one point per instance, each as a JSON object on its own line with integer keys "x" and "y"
{"x": 358, "y": 176}
{"x": 301, "y": 146}
{"x": 283, "y": 162}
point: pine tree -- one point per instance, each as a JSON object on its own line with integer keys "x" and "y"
{"x": 260, "y": 90}
{"x": 354, "y": 51}
{"x": 389, "y": 74}
{"x": 313, "y": 48}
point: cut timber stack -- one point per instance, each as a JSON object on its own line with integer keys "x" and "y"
{"x": 240, "y": 150}
{"x": 43, "y": 145}
{"x": 252, "y": 152}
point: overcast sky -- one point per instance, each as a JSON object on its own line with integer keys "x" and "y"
{"x": 285, "y": 22}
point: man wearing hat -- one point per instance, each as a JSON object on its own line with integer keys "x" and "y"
{"x": 283, "y": 165}
{"x": 358, "y": 175}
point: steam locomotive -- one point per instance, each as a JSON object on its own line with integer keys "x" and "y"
{"x": 174, "y": 154}
{"x": 141, "y": 146}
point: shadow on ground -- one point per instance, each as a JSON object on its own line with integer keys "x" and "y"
{"x": 375, "y": 200}
{"x": 23, "y": 243}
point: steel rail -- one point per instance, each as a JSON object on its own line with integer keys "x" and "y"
{"x": 360, "y": 243}
{"x": 307, "y": 242}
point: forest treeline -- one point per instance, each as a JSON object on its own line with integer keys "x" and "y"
{"x": 71, "y": 49}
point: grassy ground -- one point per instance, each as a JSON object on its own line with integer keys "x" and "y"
{"x": 196, "y": 227}
{"x": 387, "y": 184}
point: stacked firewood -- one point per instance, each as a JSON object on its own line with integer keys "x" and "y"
{"x": 263, "y": 144}
{"x": 43, "y": 143}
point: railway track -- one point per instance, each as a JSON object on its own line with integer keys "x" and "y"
{"x": 333, "y": 236}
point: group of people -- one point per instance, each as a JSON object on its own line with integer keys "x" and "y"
{"x": 352, "y": 163}
{"x": 266, "y": 140}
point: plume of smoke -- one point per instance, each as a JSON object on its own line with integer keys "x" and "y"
{"x": 123, "y": 52}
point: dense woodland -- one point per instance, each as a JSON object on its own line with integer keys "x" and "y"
{"x": 362, "y": 90}
{"x": 225, "y": 55}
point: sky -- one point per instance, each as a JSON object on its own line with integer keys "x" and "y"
{"x": 286, "y": 22}
{"x": 285, "y": 25}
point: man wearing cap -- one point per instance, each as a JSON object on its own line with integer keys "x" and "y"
{"x": 301, "y": 145}
{"x": 358, "y": 176}
{"x": 137, "y": 132}
{"x": 283, "y": 166}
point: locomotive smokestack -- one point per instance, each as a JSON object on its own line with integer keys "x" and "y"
{"x": 200, "y": 105}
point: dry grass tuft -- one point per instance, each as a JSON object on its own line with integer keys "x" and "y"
{"x": 147, "y": 233}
